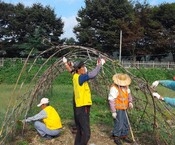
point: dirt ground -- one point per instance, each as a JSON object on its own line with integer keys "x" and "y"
{"x": 100, "y": 135}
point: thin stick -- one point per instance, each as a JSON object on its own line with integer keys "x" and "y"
{"x": 133, "y": 138}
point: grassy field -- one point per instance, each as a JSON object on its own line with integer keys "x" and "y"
{"x": 61, "y": 98}
{"x": 7, "y": 97}
{"x": 61, "y": 94}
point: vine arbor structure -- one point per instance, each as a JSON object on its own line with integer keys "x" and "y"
{"x": 148, "y": 115}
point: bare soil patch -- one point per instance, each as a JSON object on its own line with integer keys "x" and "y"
{"x": 100, "y": 135}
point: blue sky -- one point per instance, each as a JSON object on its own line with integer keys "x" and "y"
{"x": 67, "y": 10}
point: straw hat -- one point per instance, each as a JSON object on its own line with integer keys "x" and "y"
{"x": 121, "y": 79}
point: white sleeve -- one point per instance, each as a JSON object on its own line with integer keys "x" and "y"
{"x": 41, "y": 115}
{"x": 113, "y": 93}
{"x": 129, "y": 91}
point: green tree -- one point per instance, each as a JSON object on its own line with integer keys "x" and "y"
{"x": 165, "y": 14}
{"x": 70, "y": 41}
{"x": 132, "y": 32}
{"x": 146, "y": 30}
{"x": 100, "y": 22}
{"x": 5, "y": 14}
{"x": 29, "y": 27}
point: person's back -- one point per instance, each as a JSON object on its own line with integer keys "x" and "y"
{"x": 53, "y": 120}
{"x": 83, "y": 100}
{"x": 82, "y": 92}
{"x": 47, "y": 122}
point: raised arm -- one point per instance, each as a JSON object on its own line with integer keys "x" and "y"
{"x": 68, "y": 65}
{"x": 95, "y": 71}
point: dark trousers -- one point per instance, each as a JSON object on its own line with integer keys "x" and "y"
{"x": 83, "y": 125}
{"x": 74, "y": 110}
{"x": 121, "y": 126}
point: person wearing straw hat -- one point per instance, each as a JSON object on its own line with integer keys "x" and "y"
{"x": 82, "y": 98}
{"x": 47, "y": 122}
{"x": 120, "y": 99}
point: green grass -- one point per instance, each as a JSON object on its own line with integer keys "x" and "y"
{"x": 153, "y": 74}
{"x": 61, "y": 95}
{"x": 61, "y": 98}
{"x": 8, "y": 96}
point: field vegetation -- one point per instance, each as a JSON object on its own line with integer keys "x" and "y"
{"x": 62, "y": 99}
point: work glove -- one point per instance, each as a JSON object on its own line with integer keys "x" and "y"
{"x": 85, "y": 69}
{"x": 130, "y": 105}
{"x": 22, "y": 121}
{"x": 101, "y": 61}
{"x": 114, "y": 115}
{"x": 64, "y": 60}
{"x": 155, "y": 84}
{"x": 156, "y": 95}
{"x": 27, "y": 120}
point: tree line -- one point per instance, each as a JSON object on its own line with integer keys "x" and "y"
{"x": 25, "y": 28}
{"x": 145, "y": 29}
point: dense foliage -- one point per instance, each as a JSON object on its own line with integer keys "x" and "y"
{"x": 11, "y": 71}
{"x": 106, "y": 25}
{"x": 145, "y": 29}
{"x": 24, "y": 28}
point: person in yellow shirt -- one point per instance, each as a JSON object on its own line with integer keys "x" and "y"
{"x": 47, "y": 122}
{"x": 82, "y": 98}
{"x": 70, "y": 69}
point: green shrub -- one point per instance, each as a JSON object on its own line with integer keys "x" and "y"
{"x": 153, "y": 74}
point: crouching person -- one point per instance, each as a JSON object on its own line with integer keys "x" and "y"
{"x": 47, "y": 122}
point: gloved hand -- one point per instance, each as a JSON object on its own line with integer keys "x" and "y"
{"x": 64, "y": 60}
{"x": 130, "y": 105}
{"x": 156, "y": 95}
{"x": 155, "y": 84}
{"x": 101, "y": 61}
{"x": 22, "y": 121}
{"x": 114, "y": 115}
{"x": 85, "y": 69}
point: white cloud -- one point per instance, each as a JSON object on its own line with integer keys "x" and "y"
{"x": 69, "y": 23}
